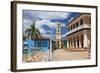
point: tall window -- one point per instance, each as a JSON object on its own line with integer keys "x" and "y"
{"x": 81, "y": 21}
{"x": 90, "y": 20}
{"x": 77, "y": 24}
{"x": 68, "y": 28}
{"x": 73, "y": 26}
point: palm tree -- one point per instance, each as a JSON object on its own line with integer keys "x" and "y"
{"x": 33, "y": 32}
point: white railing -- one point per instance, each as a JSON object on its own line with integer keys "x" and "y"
{"x": 78, "y": 28}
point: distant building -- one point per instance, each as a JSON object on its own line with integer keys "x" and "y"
{"x": 30, "y": 46}
{"x": 79, "y": 32}
{"x": 58, "y": 36}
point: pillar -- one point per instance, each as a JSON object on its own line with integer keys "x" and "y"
{"x": 67, "y": 43}
{"x": 85, "y": 39}
{"x": 72, "y": 42}
{"x": 76, "y": 42}
{"x": 80, "y": 45}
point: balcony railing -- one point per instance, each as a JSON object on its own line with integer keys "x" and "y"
{"x": 78, "y": 28}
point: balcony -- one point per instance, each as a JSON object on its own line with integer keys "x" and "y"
{"x": 84, "y": 26}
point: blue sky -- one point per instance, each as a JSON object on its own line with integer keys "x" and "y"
{"x": 47, "y": 20}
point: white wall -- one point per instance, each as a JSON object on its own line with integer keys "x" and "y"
{"x": 5, "y": 37}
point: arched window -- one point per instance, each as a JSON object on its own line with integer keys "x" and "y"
{"x": 81, "y": 22}
{"x": 77, "y": 24}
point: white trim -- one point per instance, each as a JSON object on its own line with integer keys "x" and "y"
{"x": 34, "y": 65}
{"x": 78, "y": 28}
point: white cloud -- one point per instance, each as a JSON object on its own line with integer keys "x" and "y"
{"x": 40, "y": 23}
{"x": 53, "y": 15}
{"x": 46, "y": 35}
{"x": 48, "y": 23}
{"x": 42, "y": 31}
{"x": 48, "y": 14}
{"x": 45, "y": 19}
{"x": 26, "y": 24}
{"x": 70, "y": 19}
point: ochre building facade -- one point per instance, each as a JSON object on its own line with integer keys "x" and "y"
{"x": 79, "y": 32}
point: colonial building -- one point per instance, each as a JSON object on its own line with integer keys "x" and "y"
{"x": 58, "y": 36}
{"x": 79, "y": 32}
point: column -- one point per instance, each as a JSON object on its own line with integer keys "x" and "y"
{"x": 85, "y": 39}
{"x": 76, "y": 42}
{"x": 72, "y": 42}
{"x": 80, "y": 45}
{"x": 67, "y": 43}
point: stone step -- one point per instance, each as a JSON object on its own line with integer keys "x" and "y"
{"x": 76, "y": 49}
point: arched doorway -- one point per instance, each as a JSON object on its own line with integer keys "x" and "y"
{"x": 74, "y": 41}
{"x": 81, "y": 36}
{"x": 77, "y": 41}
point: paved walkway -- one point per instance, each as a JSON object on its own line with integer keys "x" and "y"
{"x": 58, "y": 55}
{"x": 62, "y": 55}
{"x": 38, "y": 57}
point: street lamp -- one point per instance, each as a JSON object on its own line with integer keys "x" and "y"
{"x": 50, "y": 49}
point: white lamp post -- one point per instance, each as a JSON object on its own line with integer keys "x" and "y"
{"x": 50, "y": 49}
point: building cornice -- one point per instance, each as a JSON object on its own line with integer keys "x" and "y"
{"x": 85, "y": 26}
{"x": 76, "y": 18}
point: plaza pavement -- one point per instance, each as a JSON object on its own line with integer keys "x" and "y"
{"x": 62, "y": 55}
{"x": 59, "y": 55}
